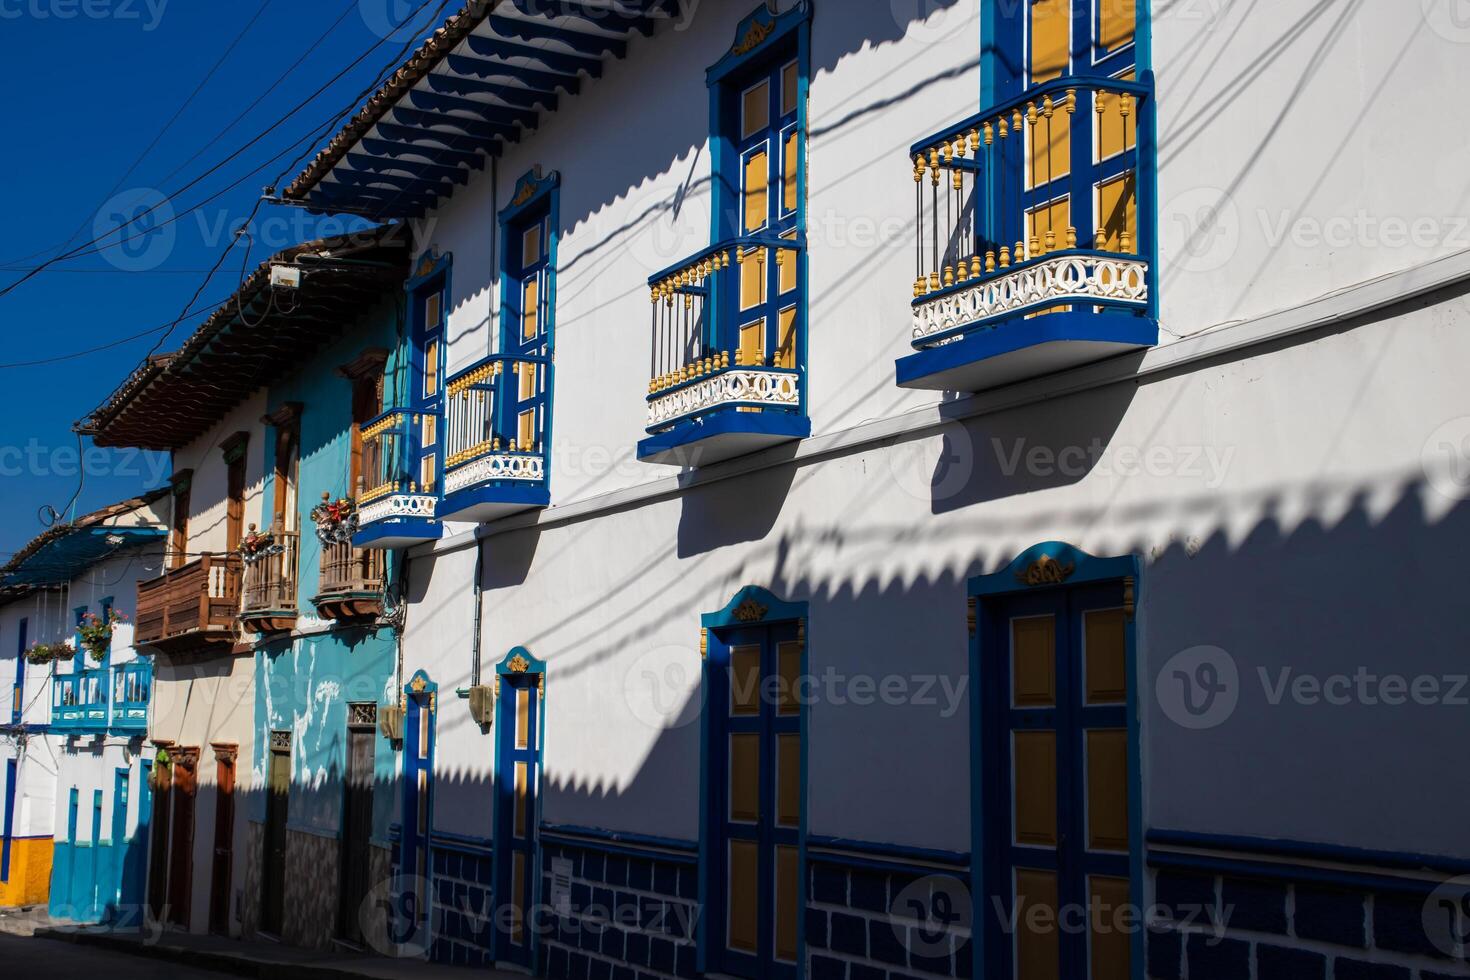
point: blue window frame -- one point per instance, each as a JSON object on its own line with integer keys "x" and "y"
{"x": 413, "y": 912}
{"x": 430, "y": 298}
{"x": 79, "y": 658}
{"x": 106, "y": 605}
{"x": 17, "y": 703}
{"x": 1057, "y": 793}
{"x": 520, "y": 726}
{"x": 11, "y": 773}
{"x": 529, "y": 237}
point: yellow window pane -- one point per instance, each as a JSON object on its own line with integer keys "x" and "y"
{"x": 433, "y": 310}
{"x": 1034, "y": 778}
{"x": 1107, "y": 789}
{"x": 428, "y": 430}
{"x": 527, "y": 374}
{"x": 789, "y": 80}
{"x": 523, "y": 718}
{"x": 1033, "y": 662}
{"x": 757, "y": 189}
{"x": 431, "y": 368}
{"x": 786, "y": 339}
{"x": 1106, "y": 656}
{"x": 1117, "y": 18}
{"x": 1051, "y": 34}
{"x": 517, "y": 889}
{"x": 788, "y": 780}
{"x": 428, "y": 473}
{"x": 744, "y": 896}
{"x": 756, "y": 113}
{"x": 1050, "y": 147}
{"x": 1037, "y": 936}
{"x": 521, "y": 800}
{"x": 745, "y": 680}
{"x": 790, "y": 162}
{"x": 753, "y": 343}
{"x": 788, "y": 662}
{"x": 752, "y": 278}
{"x": 787, "y": 880}
{"x": 526, "y": 431}
{"x": 745, "y": 787}
{"x": 529, "y": 299}
{"x": 1110, "y": 947}
{"x": 786, "y": 267}
{"x": 1118, "y": 214}
{"x": 531, "y": 246}
{"x": 1117, "y": 124}
{"x": 1054, "y": 218}
{"x": 423, "y": 740}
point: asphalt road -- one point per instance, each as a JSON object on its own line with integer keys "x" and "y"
{"x": 25, "y": 956}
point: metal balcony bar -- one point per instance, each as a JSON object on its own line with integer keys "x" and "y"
{"x": 1000, "y": 196}
{"x": 727, "y": 324}
{"x": 486, "y": 434}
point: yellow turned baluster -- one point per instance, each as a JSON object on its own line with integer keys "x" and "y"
{"x": 724, "y": 359}
{"x": 1071, "y": 103}
{"x": 739, "y": 357}
{"x": 1051, "y": 242}
{"x": 974, "y": 141}
{"x": 1021, "y": 250}
{"x": 990, "y": 260}
{"x": 1071, "y": 237}
{"x": 976, "y": 266}
{"x": 1005, "y": 257}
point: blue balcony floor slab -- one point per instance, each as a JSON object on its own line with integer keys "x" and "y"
{"x": 722, "y": 435}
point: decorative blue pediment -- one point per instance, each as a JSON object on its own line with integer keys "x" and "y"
{"x": 520, "y": 661}
{"x": 429, "y": 266}
{"x": 420, "y": 684}
{"x": 1050, "y": 564}
{"x": 756, "y": 34}
{"x": 753, "y": 606}
{"x": 530, "y": 189}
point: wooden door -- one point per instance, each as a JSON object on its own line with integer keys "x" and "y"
{"x": 273, "y": 878}
{"x": 517, "y": 771}
{"x": 224, "y": 844}
{"x": 357, "y": 830}
{"x": 181, "y": 846}
{"x": 158, "y": 846}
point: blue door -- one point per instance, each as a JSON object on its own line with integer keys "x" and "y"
{"x": 517, "y": 771}
{"x": 135, "y": 860}
{"x": 10, "y": 776}
{"x": 62, "y": 897}
{"x": 754, "y": 800}
{"x": 1057, "y": 764}
{"x": 94, "y": 886}
{"x": 118, "y": 852}
{"x": 412, "y": 914}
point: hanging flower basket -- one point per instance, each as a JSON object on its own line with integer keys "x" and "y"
{"x": 335, "y": 520}
{"x": 96, "y": 633}
{"x": 41, "y": 654}
{"x": 257, "y": 545}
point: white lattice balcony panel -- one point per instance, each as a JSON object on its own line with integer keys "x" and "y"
{"x": 733, "y": 388}
{"x": 1057, "y": 280}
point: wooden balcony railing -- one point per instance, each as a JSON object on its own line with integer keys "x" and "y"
{"x": 196, "y": 603}
{"x": 351, "y": 581}
{"x": 270, "y": 585}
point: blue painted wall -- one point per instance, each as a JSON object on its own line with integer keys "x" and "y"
{"x": 305, "y": 684}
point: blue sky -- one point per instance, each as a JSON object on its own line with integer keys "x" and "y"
{"x": 95, "y": 84}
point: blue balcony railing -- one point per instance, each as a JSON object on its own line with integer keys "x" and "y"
{"x": 497, "y": 421}
{"x": 132, "y": 685}
{"x": 398, "y": 501}
{"x": 80, "y": 701}
{"x": 729, "y": 352}
{"x": 66, "y": 706}
{"x": 1036, "y": 236}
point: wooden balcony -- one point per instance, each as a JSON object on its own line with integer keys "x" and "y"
{"x": 191, "y": 606}
{"x": 351, "y": 581}
{"x": 270, "y": 585}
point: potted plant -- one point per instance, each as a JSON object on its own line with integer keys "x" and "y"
{"x": 96, "y": 633}
{"x": 41, "y": 654}
{"x": 335, "y": 520}
{"x": 255, "y": 545}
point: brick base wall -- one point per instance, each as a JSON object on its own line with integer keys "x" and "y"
{"x": 312, "y": 884}
{"x": 1301, "y": 926}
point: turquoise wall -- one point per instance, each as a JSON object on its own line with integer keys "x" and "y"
{"x": 304, "y": 684}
